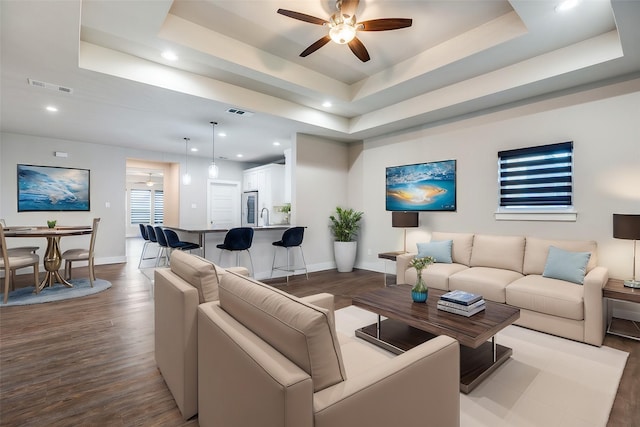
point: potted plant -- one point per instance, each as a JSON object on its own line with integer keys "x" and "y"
{"x": 286, "y": 209}
{"x": 344, "y": 226}
{"x": 420, "y": 292}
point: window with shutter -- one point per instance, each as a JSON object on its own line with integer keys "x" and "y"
{"x": 536, "y": 179}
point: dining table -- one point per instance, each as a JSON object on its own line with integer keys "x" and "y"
{"x": 52, "y": 256}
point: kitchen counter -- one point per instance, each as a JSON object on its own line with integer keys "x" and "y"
{"x": 209, "y": 237}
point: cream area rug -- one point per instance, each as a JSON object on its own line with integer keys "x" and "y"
{"x": 549, "y": 381}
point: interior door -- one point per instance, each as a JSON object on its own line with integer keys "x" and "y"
{"x": 224, "y": 204}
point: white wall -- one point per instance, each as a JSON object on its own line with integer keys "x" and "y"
{"x": 321, "y": 175}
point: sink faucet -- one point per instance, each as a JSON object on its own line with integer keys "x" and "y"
{"x": 266, "y": 221}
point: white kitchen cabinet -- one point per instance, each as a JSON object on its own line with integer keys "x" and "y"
{"x": 269, "y": 181}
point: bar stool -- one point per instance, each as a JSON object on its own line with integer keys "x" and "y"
{"x": 151, "y": 233}
{"x": 164, "y": 246}
{"x": 174, "y": 241}
{"x": 145, "y": 236}
{"x": 291, "y": 238}
{"x": 236, "y": 240}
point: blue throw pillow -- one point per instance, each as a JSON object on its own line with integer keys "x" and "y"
{"x": 439, "y": 250}
{"x": 565, "y": 265}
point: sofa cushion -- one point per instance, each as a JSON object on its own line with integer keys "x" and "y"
{"x": 438, "y": 250}
{"x": 548, "y": 296}
{"x": 198, "y": 272}
{"x": 566, "y": 265}
{"x": 461, "y": 247}
{"x": 536, "y": 251}
{"x": 488, "y": 282}
{"x": 506, "y": 252}
{"x": 435, "y": 276}
{"x": 304, "y": 333}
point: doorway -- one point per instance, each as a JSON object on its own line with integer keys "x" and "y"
{"x": 223, "y": 201}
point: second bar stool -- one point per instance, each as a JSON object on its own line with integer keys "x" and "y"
{"x": 291, "y": 238}
{"x": 237, "y": 240}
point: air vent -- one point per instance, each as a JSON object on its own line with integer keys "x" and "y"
{"x": 239, "y": 112}
{"x": 50, "y": 86}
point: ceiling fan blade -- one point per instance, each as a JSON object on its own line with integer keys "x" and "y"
{"x": 384, "y": 24}
{"x": 359, "y": 50}
{"x": 349, "y": 7}
{"x": 317, "y": 45}
{"x": 302, "y": 17}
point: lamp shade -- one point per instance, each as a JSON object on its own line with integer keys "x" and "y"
{"x": 404, "y": 219}
{"x": 626, "y": 226}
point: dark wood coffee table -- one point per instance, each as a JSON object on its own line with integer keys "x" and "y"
{"x": 409, "y": 324}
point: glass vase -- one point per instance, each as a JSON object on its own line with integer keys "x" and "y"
{"x": 420, "y": 292}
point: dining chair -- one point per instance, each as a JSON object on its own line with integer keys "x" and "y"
{"x": 82, "y": 254}
{"x": 10, "y": 263}
{"x": 19, "y": 250}
{"x": 236, "y": 240}
{"x": 291, "y": 238}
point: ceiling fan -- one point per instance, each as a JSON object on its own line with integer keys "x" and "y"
{"x": 343, "y": 27}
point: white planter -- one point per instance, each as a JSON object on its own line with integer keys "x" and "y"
{"x": 345, "y": 255}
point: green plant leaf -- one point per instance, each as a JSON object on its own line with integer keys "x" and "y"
{"x": 345, "y": 224}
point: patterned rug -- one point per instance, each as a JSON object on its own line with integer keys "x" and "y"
{"x": 548, "y": 381}
{"x": 59, "y": 292}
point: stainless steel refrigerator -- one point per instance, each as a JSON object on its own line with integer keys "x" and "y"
{"x": 250, "y": 209}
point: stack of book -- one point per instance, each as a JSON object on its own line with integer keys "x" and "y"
{"x": 461, "y": 302}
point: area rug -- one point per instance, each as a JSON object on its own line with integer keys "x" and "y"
{"x": 549, "y": 381}
{"x": 58, "y": 292}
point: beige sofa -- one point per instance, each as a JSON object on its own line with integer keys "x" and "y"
{"x": 268, "y": 359}
{"x": 178, "y": 291}
{"x": 509, "y": 269}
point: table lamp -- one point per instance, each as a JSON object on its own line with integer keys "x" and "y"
{"x": 628, "y": 227}
{"x": 404, "y": 220}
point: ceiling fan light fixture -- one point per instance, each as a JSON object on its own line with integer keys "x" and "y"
{"x": 342, "y": 33}
{"x": 342, "y": 28}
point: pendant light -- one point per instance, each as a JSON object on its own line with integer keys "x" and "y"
{"x": 186, "y": 178}
{"x": 213, "y": 168}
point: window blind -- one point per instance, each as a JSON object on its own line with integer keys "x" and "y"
{"x": 158, "y": 207}
{"x": 140, "y": 206}
{"x": 537, "y": 177}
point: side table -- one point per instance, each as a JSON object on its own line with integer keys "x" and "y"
{"x": 615, "y": 290}
{"x": 390, "y": 256}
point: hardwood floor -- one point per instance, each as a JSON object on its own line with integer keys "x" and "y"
{"x": 90, "y": 362}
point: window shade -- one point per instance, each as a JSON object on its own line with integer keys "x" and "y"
{"x": 537, "y": 177}
{"x": 158, "y": 207}
{"x": 139, "y": 206}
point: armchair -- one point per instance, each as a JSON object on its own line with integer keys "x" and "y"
{"x": 288, "y": 351}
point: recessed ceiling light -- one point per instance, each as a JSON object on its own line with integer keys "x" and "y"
{"x": 276, "y": 143}
{"x": 168, "y": 55}
{"x": 52, "y": 109}
{"x": 566, "y": 5}
{"x": 194, "y": 149}
{"x": 326, "y": 104}
{"x": 239, "y": 155}
{"x": 222, "y": 134}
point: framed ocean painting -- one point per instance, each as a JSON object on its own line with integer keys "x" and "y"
{"x": 51, "y": 188}
{"x": 421, "y": 187}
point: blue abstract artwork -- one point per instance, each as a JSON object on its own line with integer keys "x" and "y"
{"x": 422, "y": 187}
{"x": 49, "y": 188}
